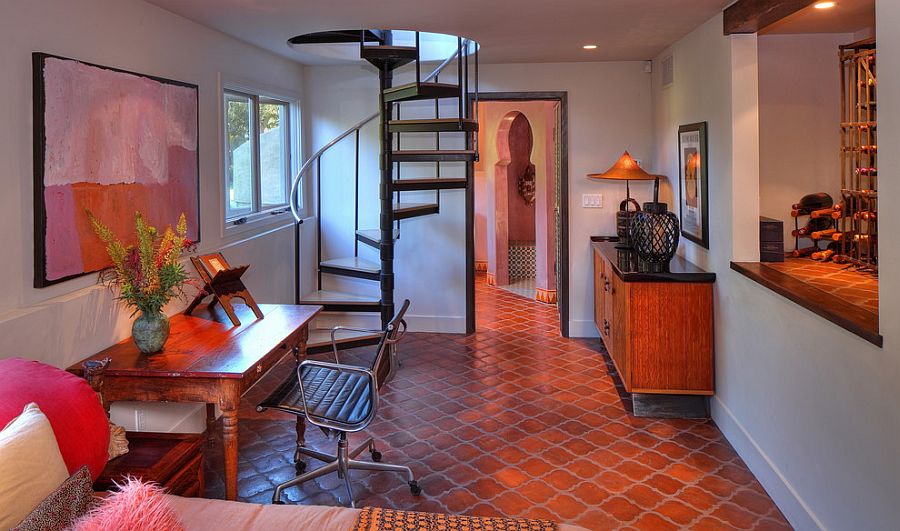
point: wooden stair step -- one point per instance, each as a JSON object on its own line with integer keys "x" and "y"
{"x": 421, "y": 91}
{"x": 390, "y": 56}
{"x": 434, "y": 155}
{"x": 437, "y": 183}
{"x": 353, "y": 266}
{"x": 414, "y": 210}
{"x": 433, "y": 125}
{"x": 372, "y": 237}
{"x": 338, "y": 301}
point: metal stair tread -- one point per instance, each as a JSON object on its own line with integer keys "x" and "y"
{"x": 398, "y": 88}
{"x": 414, "y": 210}
{"x": 432, "y": 155}
{"x": 373, "y": 236}
{"x": 421, "y": 91}
{"x": 389, "y": 48}
{"x": 353, "y": 263}
{"x": 321, "y": 337}
{"x": 433, "y": 183}
{"x": 327, "y": 296}
{"x": 337, "y": 36}
{"x": 433, "y": 125}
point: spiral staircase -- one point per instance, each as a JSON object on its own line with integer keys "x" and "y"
{"x": 382, "y": 49}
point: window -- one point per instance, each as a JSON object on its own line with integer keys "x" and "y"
{"x": 257, "y": 158}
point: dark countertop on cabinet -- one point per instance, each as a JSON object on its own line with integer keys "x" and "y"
{"x": 628, "y": 268}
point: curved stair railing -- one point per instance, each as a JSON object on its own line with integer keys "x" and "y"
{"x": 295, "y": 183}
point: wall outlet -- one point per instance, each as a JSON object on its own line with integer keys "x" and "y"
{"x": 140, "y": 420}
{"x": 592, "y": 200}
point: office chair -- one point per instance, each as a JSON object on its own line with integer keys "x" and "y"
{"x": 340, "y": 399}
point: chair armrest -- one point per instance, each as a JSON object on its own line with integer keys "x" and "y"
{"x": 353, "y": 369}
{"x": 337, "y": 329}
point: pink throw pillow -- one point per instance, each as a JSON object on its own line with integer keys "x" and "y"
{"x": 136, "y": 506}
{"x": 72, "y": 407}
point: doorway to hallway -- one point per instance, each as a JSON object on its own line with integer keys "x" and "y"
{"x": 518, "y": 211}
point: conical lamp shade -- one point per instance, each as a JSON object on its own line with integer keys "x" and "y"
{"x": 625, "y": 169}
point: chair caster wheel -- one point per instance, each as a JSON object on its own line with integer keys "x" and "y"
{"x": 376, "y": 455}
{"x": 277, "y": 502}
{"x": 300, "y": 467}
{"x": 414, "y": 488}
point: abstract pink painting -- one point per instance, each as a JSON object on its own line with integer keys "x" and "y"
{"x": 112, "y": 142}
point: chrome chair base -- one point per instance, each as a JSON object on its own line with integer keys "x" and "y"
{"x": 342, "y": 463}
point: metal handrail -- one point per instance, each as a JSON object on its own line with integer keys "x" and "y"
{"x": 295, "y": 208}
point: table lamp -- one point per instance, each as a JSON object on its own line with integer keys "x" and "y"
{"x": 654, "y": 233}
{"x": 625, "y": 169}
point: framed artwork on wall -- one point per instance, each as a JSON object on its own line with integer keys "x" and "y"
{"x": 693, "y": 183}
{"x": 110, "y": 142}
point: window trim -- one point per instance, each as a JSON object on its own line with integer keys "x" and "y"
{"x": 260, "y": 92}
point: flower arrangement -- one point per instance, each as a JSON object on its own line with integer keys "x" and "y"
{"x": 148, "y": 274}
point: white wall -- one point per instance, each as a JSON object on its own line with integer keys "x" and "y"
{"x": 809, "y": 406}
{"x": 64, "y": 323}
{"x": 799, "y": 103}
{"x": 608, "y": 114}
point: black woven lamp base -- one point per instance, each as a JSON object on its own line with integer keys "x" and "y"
{"x": 654, "y": 235}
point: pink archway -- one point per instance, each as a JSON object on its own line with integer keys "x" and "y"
{"x": 513, "y": 217}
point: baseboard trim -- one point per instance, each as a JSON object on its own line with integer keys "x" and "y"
{"x": 785, "y": 496}
{"x": 579, "y": 328}
{"x": 437, "y": 323}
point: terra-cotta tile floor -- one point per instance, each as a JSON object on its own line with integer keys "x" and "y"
{"x": 515, "y": 420}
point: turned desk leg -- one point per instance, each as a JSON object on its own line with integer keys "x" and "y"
{"x": 230, "y": 443}
{"x": 299, "y": 356}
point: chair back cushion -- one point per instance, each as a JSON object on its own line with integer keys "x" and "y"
{"x": 395, "y": 327}
{"x": 74, "y": 411}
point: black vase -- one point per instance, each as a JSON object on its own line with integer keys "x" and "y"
{"x": 654, "y": 236}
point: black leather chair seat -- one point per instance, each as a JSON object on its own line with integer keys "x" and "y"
{"x": 331, "y": 394}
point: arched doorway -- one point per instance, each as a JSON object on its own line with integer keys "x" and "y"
{"x": 511, "y": 205}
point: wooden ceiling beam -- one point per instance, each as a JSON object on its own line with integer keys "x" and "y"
{"x": 750, "y": 16}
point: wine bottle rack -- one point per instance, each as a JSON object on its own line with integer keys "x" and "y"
{"x": 858, "y": 220}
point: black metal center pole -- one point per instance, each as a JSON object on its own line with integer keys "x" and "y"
{"x": 387, "y": 208}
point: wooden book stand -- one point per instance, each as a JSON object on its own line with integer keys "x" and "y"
{"x": 222, "y": 282}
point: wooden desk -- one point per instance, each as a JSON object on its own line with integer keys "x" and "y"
{"x": 208, "y": 360}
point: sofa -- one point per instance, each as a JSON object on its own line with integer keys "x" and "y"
{"x": 81, "y": 429}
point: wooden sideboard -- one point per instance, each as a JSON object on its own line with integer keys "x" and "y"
{"x": 657, "y": 327}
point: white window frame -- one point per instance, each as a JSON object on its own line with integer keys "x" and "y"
{"x": 260, "y": 94}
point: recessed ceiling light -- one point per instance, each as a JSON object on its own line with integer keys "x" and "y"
{"x": 823, "y": 5}
{"x": 590, "y": 46}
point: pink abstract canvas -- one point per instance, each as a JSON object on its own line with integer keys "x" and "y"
{"x": 111, "y": 142}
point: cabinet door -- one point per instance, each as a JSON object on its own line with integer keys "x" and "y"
{"x": 618, "y": 310}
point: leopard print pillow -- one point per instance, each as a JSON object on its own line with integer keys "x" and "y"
{"x": 63, "y": 506}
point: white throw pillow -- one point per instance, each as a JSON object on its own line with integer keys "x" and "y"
{"x": 31, "y": 466}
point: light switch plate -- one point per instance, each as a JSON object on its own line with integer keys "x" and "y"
{"x": 592, "y": 200}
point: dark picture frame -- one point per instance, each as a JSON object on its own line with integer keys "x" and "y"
{"x": 42, "y": 211}
{"x": 693, "y": 183}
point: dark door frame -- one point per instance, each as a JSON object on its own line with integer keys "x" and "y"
{"x": 562, "y": 290}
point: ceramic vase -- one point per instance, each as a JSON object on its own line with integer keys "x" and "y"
{"x": 150, "y": 331}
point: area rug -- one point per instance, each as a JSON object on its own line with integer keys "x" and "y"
{"x": 380, "y": 519}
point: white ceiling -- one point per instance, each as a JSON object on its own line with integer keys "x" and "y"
{"x": 847, "y": 16}
{"x": 510, "y": 31}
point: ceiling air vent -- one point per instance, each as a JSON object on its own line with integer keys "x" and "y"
{"x": 668, "y": 71}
